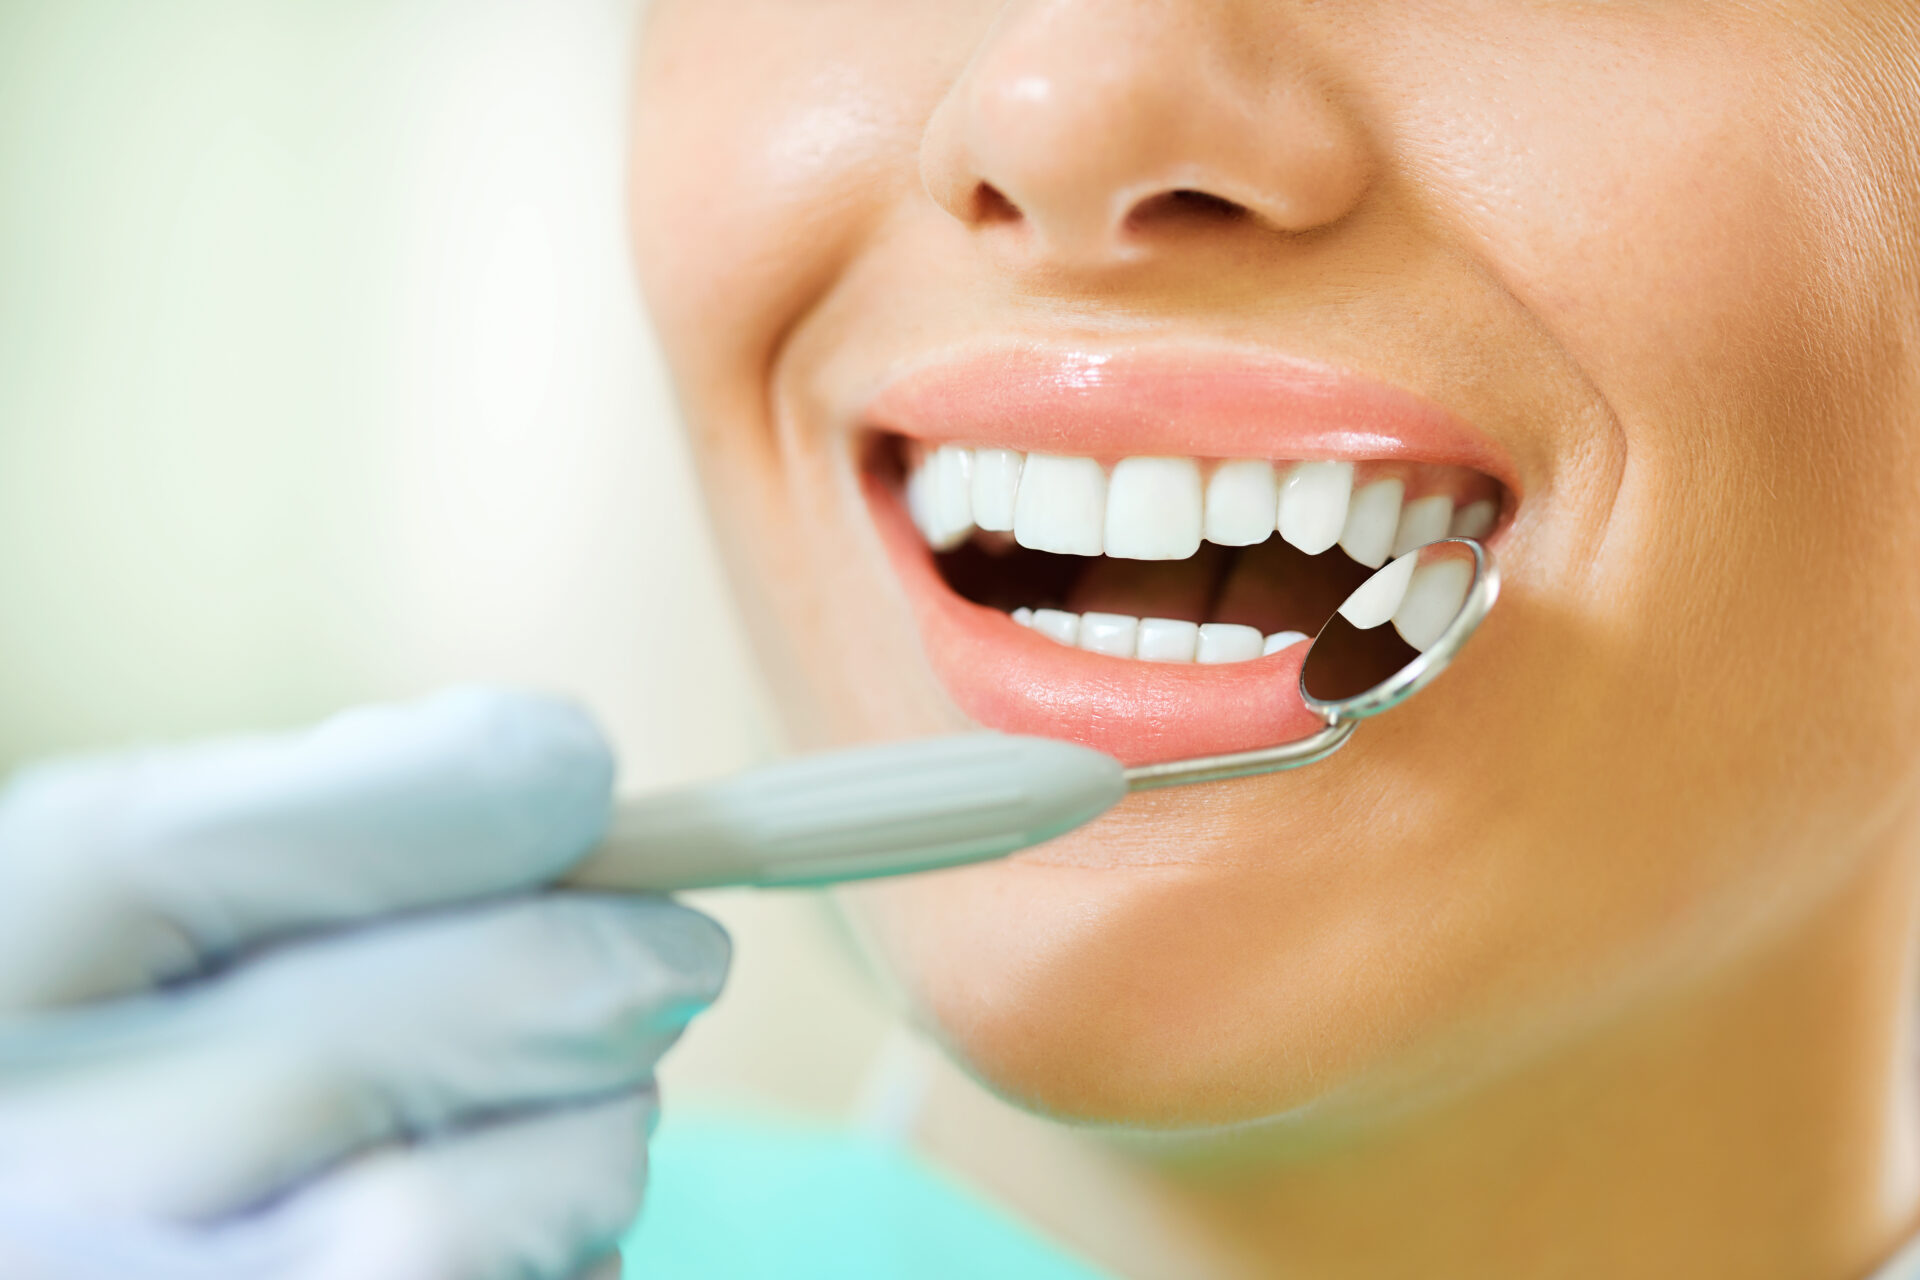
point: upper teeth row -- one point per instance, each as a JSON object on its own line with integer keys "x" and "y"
{"x": 1161, "y": 508}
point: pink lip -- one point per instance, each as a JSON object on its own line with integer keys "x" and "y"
{"x": 1205, "y": 404}
{"x": 1134, "y": 404}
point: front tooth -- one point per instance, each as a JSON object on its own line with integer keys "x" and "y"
{"x": 1056, "y": 624}
{"x": 1475, "y": 520}
{"x": 1374, "y": 601}
{"x": 1153, "y": 509}
{"x": 1433, "y": 599}
{"x": 1227, "y": 642}
{"x": 996, "y": 480}
{"x": 1313, "y": 504}
{"x": 1108, "y": 633}
{"x": 1023, "y": 616}
{"x": 1281, "y": 640}
{"x": 1424, "y": 520}
{"x": 1372, "y": 520}
{"x": 1062, "y": 505}
{"x": 1166, "y": 640}
{"x": 1242, "y": 503}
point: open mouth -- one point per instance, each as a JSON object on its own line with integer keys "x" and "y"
{"x": 1176, "y": 559}
{"x": 1153, "y": 605}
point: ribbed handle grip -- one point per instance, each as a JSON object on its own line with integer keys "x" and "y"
{"x": 851, "y": 815}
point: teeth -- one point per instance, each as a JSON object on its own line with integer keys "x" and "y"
{"x": 1242, "y": 503}
{"x": 940, "y": 496}
{"x": 1282, "y": 640}
{"x": 1372, "y": 520}
{"x": 1376, "y": 599}
{"x": 1422, "y": 521}
{"x": 1227, "y": 642}
{"x": 1109, "y": 633}
{"x": 996, "y": 479}
{"x": 1167, "y": 640}
{"x": 1313, "y": 504}
{"x": 1119, "y": 635}
{"x": 1433, "y": 597}
{"x": 1061, "y": 506}
{"x": 1159, "y": 509}
{"x": 1056, "y": 625}
{"x": 1153, "y": 509}
{"x": 1475, "y": 520}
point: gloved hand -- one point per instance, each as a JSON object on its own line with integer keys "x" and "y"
{"x": 303, "y": 1006}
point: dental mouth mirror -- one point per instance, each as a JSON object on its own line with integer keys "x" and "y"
{"x": 940, "y": 802}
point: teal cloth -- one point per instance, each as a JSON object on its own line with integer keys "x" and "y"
{"x": 732, "y": 1199}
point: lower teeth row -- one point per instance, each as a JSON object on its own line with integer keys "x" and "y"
{"x": 1155, "y": 639}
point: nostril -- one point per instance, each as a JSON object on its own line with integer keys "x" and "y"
{"x": 990, "y": 204}
{"x": 1184, "y": 205}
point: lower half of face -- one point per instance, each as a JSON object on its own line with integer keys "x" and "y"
{"x": 964, "y": 477}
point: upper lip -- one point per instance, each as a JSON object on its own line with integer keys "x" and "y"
{"x": 1182, "y": 401}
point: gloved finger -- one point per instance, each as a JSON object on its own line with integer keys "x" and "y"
{"x": 537, "y": 1198}
{"x": 117, "y": 873}
{"x": 213, "y": 1099}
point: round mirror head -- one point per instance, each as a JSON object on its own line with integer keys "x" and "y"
{"x": 1399, "y": 629}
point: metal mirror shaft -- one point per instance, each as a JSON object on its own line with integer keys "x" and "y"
{"x": 1395, "y": 633}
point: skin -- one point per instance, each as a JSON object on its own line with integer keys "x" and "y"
{"x": 1595, "y": 959}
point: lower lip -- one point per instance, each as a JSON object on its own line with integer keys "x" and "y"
{"x": 1010, "y": 678}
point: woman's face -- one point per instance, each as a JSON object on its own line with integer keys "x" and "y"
{"x": 1640, "y": 274}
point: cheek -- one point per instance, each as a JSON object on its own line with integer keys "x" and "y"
{"x": 761, "y": 166}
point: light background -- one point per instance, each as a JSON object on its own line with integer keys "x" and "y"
{"x": 322, "y": 380}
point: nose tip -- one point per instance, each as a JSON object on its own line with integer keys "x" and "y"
{"x": 1097, "y": 137}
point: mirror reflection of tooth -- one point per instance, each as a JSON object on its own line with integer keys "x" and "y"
{"x": 1475, "y": 520}
{"x": 1432, "y": 601}
{"x": 1109, "y": 633}
{"x": 1227, "y": 642}
{"x": 1056, "y": 624}
{"x": 1422, "y": 521}
{"x": 1166, "y": 640}
{"x": 1375, "y": 600}
{"x": 1373, "y": 518}
{"x": 996, "y": 482}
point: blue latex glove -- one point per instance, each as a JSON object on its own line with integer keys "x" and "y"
{"x": 303, "y": 1007}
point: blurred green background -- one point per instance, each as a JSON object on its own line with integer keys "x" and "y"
{"x": 322, "y": 378}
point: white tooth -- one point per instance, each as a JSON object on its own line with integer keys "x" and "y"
{"x": 1109, "y": 633}
{"x": 1062, "y": 505}
{"x": 949, "y": 496}
{"x": 1242, "y": 503}
{"x": 919, "y": 507}
{"x": 1374, "y": 601}
{"x": 996, "y": 479}
{"x": 1166, "y": 640}
{"x": 1371, "y": 522}
{"x": 1281, "y": 640}
{"x": 1433, "y": 599}
{"x": 1313, "y": 504}
{"x": 1023, "y": 616}
{"x": 1153, "y": 509}
{"x": 1057, "y": 625}
{"x": 1475, "y": 520}
{"x": 1227, "y": 642}
{"x": 1422, "y": 521}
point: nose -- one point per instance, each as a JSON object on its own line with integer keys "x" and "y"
{"x": 1100, "y": 125}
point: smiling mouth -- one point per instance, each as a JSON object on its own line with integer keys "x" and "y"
{"x": 1129, "y": 551}
{"x": 1168, "y": 559}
